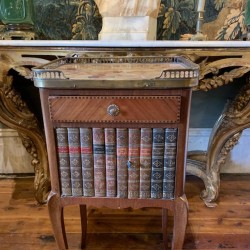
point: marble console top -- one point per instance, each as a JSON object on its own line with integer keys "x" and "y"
{"x": 124, "y": 44}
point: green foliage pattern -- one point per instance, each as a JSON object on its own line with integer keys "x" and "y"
{"x": 80, "y": 20}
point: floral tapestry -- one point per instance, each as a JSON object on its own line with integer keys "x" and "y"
{"x": 80, "y": 19}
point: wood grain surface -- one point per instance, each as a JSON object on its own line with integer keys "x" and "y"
{"x": 135, "y": 109}
{"x": 24, "y": 225}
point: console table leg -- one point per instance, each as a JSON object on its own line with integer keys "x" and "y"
{"x": 225, "y": 135}
{"x": 180, "y": 222}
{"x": 57, "y": 221}
{"x": 15, "y": 114}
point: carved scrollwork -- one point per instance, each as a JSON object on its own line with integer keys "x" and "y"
{"x": 215, "y": 73}
{"x": 212, "y": 175}
{"x": 219, "y": 80}
{"x": 41, "y": 182}
{"x": 227, "y": 147}
{"x": 15, "y": 98}
{"x": 225, "y": 135}
{"x": 238, "y": 109}
{"x": 228, "y": 129}
{"x": 15, "y": 114}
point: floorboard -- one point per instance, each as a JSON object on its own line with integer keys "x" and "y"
{"x": 25, "y": 225}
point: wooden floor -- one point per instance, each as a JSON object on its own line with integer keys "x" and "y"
{"x": 24, "y": 225}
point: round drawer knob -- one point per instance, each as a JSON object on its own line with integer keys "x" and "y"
{"x": 113, "y": 110}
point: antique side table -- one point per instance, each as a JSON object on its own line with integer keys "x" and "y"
{"x": 116, "y": 131}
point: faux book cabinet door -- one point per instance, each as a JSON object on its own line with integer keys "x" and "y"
{"x": 117, "y": 162}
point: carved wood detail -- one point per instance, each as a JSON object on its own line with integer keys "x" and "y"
{"x": 225, "y": 135}
{"x": 15, "y": 114}
{"x": 221, "y": 72}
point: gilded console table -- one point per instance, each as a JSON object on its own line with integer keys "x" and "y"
{"x": 220, "y": 63}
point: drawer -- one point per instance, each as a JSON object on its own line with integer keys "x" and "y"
{"x": 115, "y": 109}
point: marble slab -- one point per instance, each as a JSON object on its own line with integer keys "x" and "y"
{"x": 25, "y": 45}
{"x": 133, "y": 20}
{"x": 109, "y": 8}
{"x": 133, "y": 36}
{"x": 124, "y": 24}
{"x": 128, "y": 28}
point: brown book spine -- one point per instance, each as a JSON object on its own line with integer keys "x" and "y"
{"x": 145, "y": 162}
{"x": 63, "y": 161}
{"x": 75, "y": 161}
{"x": 122, "y": 159}
{"x": 133, "y": 162}
{"x": 87, "y": 161}
{"x": 99, "y": 162}
{"x": 110, "y": 150}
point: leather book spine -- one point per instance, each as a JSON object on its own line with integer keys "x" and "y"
{"x": 63, "y": 161}
{"x": 99, "y": 162}
{"x": 169, "y": 163}
{"x": 157, "y": 163}
{"x": 133, "y": 163}
{"x": 75, "y": 161}
{"x": 86, "y": 142}
{"x": 122, "y": 160}
{"x": 145, "y": 162}
{"x": 110, "y": 149}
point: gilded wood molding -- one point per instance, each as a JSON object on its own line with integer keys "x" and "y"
{"x": 225, "y": 135}
{"x": 16, "y": 115}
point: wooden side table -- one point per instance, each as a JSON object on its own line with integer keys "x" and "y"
{"x": 116, "y": 133}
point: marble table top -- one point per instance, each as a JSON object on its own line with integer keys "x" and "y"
{"x": 124, "y": 44}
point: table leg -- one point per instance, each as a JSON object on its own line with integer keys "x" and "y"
{"x": 225, "y": 135}
{"x": 180, "y": 222}
{"x": 56, "y": 213}
{"x": 15, "y": 114}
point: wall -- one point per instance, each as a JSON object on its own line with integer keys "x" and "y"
{"x": 13, "y": 156}
{"x": 238, "y": 160}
